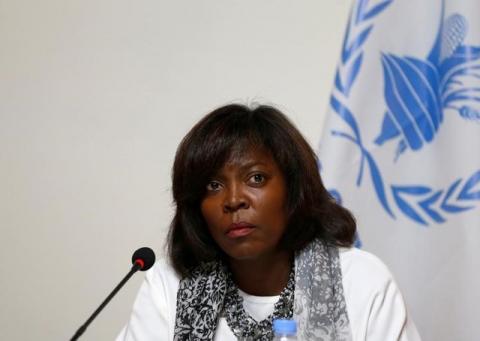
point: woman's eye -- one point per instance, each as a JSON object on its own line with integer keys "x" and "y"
{"x": 257, "y": 178}
{"x": 213, "y": 186}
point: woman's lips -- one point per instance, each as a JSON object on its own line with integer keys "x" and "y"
{"x": 238, "y": 230}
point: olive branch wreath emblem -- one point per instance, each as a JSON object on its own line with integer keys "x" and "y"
{"x": 416, "y": 94}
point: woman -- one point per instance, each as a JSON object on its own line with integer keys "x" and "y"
{"x": 255, "y": 237}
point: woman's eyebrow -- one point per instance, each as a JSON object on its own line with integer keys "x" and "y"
{"x": 243, "y": 166}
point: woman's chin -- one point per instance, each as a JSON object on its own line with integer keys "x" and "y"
{"x": 243, "y": 254}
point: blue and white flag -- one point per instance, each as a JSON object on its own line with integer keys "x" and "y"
{"x": 401, "y": 149}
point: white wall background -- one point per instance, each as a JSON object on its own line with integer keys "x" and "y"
{"x": 94, "y": 98}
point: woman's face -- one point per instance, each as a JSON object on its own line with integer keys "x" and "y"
{"x": 245, "y": 206}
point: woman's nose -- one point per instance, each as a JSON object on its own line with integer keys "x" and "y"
{"x": 234, "y": 201}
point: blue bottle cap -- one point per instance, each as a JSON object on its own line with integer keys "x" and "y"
{"x": 283, "y": 326}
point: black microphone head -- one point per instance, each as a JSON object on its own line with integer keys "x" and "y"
{"x": 145, "y": 257}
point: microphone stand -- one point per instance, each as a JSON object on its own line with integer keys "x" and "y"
{"x": 136, "y": 266}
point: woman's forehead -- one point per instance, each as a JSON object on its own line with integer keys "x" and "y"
{"x": 244, "y": 157}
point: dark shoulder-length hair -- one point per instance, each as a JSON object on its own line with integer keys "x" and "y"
{"x": 312, "y": 211}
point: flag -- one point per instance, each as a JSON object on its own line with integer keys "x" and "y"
{"x": 401, "y": 149}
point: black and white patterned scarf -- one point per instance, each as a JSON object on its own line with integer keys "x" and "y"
{"x": 318, "y": 302}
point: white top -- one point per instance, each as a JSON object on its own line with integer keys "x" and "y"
{"x": 375, "y": 306}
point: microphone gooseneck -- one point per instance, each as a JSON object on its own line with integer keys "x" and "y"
{"x": 142, "y": 259}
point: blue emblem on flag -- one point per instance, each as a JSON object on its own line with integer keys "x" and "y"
{"x": 417, "y": 94}
{"x": 417, "y": 91}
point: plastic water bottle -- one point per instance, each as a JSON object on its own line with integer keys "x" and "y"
{"x": 284, "y": 330}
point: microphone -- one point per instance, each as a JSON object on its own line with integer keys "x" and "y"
{"x": 142, "y": 259}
